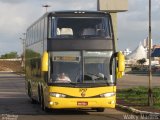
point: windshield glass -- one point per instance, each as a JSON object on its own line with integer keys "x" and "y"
{"x": 65, "y": 65}
{"x": 81, "y": 67}
{"x": 81, "y": 27}
{"x": 96, "y": 67}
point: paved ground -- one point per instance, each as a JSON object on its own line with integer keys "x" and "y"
{"x": 133, "y": 80}
{"x": 15, "y": 105}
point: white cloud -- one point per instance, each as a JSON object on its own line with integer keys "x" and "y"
{"x": 11, "y": 1}
{"x": 72, "y": 4}
{"x": 17, "y": 15}
{"x": 133, "y": 25}
{"x": 14, "y": 19}
{"x": 14, "y": 16}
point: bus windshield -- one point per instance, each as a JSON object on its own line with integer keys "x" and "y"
{"x": 81, "y": 27}
{"x": 81, "y": 67}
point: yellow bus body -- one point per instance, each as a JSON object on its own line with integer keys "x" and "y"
{"x": 75, "y": 93}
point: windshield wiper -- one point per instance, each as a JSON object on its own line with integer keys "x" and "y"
{"x": 96, "y": 77}
{"x": 99, "y": 76}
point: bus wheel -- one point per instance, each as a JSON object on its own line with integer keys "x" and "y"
{"x": 100, "y": 109}
{"x": 29, "y": 90}
{"x": 39, "y": 96}
{"x": 44, "y": 108}
{"x": 30, "y": 94}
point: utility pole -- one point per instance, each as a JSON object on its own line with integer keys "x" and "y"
{"x": 150, "y": 94}
{"x": 46, "y": 6}
{"x": 24, "y": 46}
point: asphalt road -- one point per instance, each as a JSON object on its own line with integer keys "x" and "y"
{"x": 15, "y": 105}
{"x": 135, "y": 80}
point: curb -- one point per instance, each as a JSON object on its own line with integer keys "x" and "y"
{"x": 20, "y": 74}
{"x": 136, "y": 111}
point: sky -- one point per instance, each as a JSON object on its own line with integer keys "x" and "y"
{"x": 17, "y": 15}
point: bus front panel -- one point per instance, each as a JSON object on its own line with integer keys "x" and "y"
{"x": 66, "y": 97}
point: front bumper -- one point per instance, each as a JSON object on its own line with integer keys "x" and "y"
{"x": 64, "y": 103}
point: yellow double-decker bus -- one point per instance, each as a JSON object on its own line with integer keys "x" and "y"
{"x": 71, "y": 61}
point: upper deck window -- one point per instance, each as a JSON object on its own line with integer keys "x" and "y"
{"x": 81, "y": 27}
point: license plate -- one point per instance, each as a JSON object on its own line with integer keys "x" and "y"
{"x": 82, "y": 103}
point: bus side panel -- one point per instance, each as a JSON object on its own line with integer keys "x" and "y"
{"x": 33, "y": 67}
{"x": 35, "y": 46}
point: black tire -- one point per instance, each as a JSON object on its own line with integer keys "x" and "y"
{"x": 42, "y": 100}
{"x": 33, "y": 101}
{"x": 100, "y": 109}
{"x": 44, "y": 108}
{"x": 30, "y": 94}
{"x": 39, "y": 95}
{"x": 29, "y": 90}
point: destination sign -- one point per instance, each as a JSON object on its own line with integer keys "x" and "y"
{"x": 66, "y": 58}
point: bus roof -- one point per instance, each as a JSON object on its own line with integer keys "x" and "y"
{"x": 79, "y": 11}
{"x": 71, "y": 12}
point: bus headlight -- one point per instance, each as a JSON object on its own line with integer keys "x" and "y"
{"x": 107, "y": 95}
{"x": 57, "y": 95}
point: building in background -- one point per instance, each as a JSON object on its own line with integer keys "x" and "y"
{"x": 156, "y": 54}
{"x": 137, "y": 54}
{"x": 156, "y": 46}
{"x": 142, "y": 52}
{"x": 146, "y": 43}
{"x": 127, "y": 51}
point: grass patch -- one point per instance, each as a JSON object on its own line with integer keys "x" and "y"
{"x": 139, "y": 96}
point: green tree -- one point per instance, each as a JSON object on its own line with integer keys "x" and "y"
{"x": 141, "y": 61}
{"x": 9, "y": 55}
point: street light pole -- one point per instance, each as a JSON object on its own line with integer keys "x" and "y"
{"x": 46, "y": 6}
{"x": 150, "y": 94}
{"x": 24, "y": 45}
